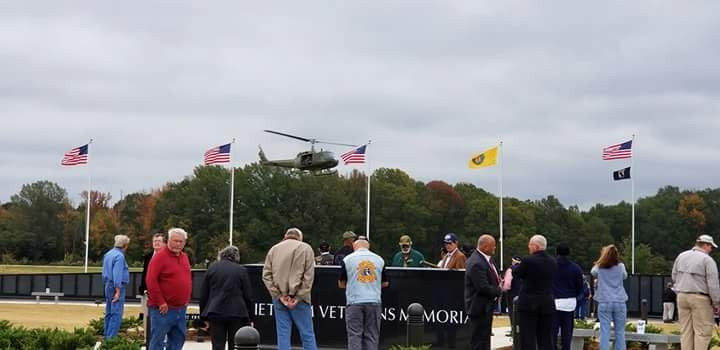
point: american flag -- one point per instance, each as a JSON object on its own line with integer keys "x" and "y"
{"x": 619, "y": 151}
{"x": 219, "y": 154}
{"x": 76, "y": 156}
{"x": 354, "y": 156}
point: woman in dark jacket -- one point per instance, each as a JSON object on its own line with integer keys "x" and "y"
{"x": 226, "y": 298}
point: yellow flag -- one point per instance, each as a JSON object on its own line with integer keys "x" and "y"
{"x": 485, "y": 159}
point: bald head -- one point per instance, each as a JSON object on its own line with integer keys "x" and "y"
{"x": 537, "y": 243}
{"x": 361, "y": 243}
{"x": 486, "y": 244}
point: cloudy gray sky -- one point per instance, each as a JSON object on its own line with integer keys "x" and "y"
{"x": 156, "y": 83}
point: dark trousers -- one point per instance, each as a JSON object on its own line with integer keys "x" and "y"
{"x": 223, "y": 331}
{"x": 510, "y": 306}
{"x": 535, "y": 330}
{"x": 481, "y": 329}
{"x": 563, "y": 322}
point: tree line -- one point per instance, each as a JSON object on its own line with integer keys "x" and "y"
{"x": 40, "y": 224}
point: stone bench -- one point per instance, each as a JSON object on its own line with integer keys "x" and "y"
{"x": 655, "y": 341}
{"x": 56, "y": 295}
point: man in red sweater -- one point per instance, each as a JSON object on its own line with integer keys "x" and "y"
{"x": 169, "y": 285}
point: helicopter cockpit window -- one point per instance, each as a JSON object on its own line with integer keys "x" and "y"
{"x": 306, "y": 160}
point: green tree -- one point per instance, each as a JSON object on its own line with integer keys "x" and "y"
{"x": 34, "y": 223}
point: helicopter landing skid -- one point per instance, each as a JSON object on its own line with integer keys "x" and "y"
{"x": 324, "y": 172}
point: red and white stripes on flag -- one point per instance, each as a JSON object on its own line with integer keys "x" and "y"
{"x": 619, "y": 151}
{"x": 217, "y": 155}
{"x": 354, "y": 156}
{"x": 76, "y": 156}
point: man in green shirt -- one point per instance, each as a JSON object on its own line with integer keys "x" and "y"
{"x": 407, "y": 257}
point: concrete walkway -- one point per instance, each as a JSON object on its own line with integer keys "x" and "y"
{"x": 499, "y": 340}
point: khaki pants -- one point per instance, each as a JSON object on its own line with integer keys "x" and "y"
{"x": 695, "y": 313}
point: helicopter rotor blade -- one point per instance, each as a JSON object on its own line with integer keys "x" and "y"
{"x": 288, "y": 135}
{"x": 335, "y": 143}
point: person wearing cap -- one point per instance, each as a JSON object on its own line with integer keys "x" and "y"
{"x": 567, "y": 290}
{"x": 325, "y": 258}
{"x": 348, "y": 238}
{"x": 695, "y": 276}
{"x": 407, "y": 257}
{"x": 453, "y": 259}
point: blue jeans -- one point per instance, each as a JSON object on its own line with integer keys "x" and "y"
{"x": 301, "y": 316}
{"x": 172, "y": 324}
{"x": 581, "y": 309}
{"x": 617, "y": 312}
{"x": 113, "y": 311}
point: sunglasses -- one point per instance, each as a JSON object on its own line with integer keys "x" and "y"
{"x": 404, "y": 246}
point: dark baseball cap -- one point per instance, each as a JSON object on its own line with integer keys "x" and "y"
{"x": 450, "y": 238}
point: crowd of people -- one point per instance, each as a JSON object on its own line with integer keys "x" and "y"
{"x": 550, "y": 291}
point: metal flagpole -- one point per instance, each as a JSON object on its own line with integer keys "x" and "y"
{"x": 369, "y": 176}
{"x": 232, "y": 192}
{"x": 87, "y": 213}
{"x": 500, "y": 153}
{"x": 632, "y": 186}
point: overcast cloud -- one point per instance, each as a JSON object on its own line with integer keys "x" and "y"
{"x": 156, "y": 83}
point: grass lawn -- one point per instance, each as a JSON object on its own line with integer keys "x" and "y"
{"x": 66, "y": 317}
{"x": 25, "y": 269}
{"x": 501, "y": 321}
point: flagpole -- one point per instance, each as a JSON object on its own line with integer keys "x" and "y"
{"x": 632, "y": 186}
{"x": 501, "y": 205}
{"x": 232, "y": 193}
{"x": 87, "y": 213}
{"x": 369, "y": 176}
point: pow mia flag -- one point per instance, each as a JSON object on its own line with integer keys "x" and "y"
{"x": 622, "y": 174}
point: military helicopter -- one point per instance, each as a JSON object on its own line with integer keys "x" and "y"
{"x": 315, "y": 162}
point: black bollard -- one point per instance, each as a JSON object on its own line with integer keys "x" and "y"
{"x": 247, "y": 338}
{"x": 415, "y": 325}
{"x": 644, "y": 310}
{"x": 515, "y": 326}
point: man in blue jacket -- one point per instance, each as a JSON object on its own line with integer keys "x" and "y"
{"x": 567, "y": 289}
{"x": 115, "y": 275}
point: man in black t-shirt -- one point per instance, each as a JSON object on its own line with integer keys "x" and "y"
{"x": 347, "y": 248}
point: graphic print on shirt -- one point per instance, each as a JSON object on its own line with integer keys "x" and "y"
{"x": 366, "y": 272}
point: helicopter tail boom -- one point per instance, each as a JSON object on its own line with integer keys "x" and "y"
{"x": 261, "y": 154}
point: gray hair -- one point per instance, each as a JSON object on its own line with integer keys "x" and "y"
{"x": 540, "y": 241}
{"x": 121, "y": 241}
{"x": 295, "y": 233}
{"x": 231, "y": 253}
{"x": 177, "y": 231}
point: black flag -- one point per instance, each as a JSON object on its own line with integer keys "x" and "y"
{"x": 622, "y": 174}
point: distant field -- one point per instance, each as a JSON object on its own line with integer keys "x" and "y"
{"x": 46, "y": 314}
{"x": 20, "y": 269}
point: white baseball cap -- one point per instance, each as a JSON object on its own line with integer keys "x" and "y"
{"x": 707, "y": 239}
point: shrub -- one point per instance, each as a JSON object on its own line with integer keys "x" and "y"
{"x": 12, "y": 337}
{"x": 98, "y": 325}
{"x": 584, "y": 324}
{"x": 120, "y": 343}
{"x": 649, "y": 328}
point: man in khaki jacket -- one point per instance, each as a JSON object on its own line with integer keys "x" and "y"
{"x": 695, "y": 275}
{"x": 288, "y": 275}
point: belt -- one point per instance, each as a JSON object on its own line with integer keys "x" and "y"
{"x": 698, "y": 293}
